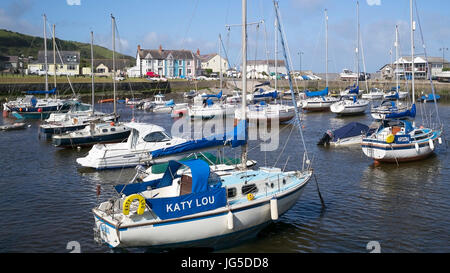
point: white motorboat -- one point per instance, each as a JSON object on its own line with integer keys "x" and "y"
{"x": 349, "y": 107}
{"x": 210, "y": 110}
{"x": 348, "y": 75}
{"x": 144, "y": 138}
{"x": 234, "y": 98}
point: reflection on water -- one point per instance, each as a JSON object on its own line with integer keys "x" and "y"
{"x": 406, "y": 208}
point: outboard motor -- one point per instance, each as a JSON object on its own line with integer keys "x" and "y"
{"x": 325, "y": 140}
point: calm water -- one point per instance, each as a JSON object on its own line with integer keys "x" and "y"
{"x": 47, "y": 199}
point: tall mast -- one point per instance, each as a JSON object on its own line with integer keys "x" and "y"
{"x": 114, "y": 60}
{"x": 92, "y": 71}
{"x": 54, "y": 55}
{"x": 244, "y": 78}
{"x": 412, "y": 50}
{"x": 326, "y": 47}
{"x": 276, "y": 55}
{"x": 357, "y": 48}
{"x": 396, "y": 57}
{"x": 45, "y": 55}
{"x": 220, "y": 61}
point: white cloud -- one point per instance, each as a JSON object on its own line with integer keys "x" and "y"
{"x": 73, "y": 2}
{"x": 374, "y": 2}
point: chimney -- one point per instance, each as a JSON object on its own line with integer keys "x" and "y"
{"x": 160, "y": 49}
{"x": 198, "y": 52}
{"x": 139, "y": 47}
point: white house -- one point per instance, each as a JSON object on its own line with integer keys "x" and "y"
{"x": 403, "y": 67}
{"x": 256, "y": 68}
{"x": 213, "y": 61}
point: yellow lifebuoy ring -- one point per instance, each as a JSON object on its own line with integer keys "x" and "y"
{"x": 390, "y": 138}
{"x": 129, "y": 200}
{"x": 250, "y": 197}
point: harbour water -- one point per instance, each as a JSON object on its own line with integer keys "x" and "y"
{"x": 47, "y": 198}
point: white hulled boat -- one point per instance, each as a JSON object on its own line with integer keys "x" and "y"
{"x": 198, "y": 207}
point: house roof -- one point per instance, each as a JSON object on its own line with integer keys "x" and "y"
{"x": 207, "y": 57}
{"x": 120, "y": 64}
{"x": 164, "y": 54}
{"x": 430, "y": 59}
{"x": 68, "y": 57}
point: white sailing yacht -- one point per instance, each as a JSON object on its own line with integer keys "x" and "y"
{"x": 352, "y": 105}
{"x": 199, "y": 208}
{"x": 320, "y": 100}
{"x": 398, "y": 141}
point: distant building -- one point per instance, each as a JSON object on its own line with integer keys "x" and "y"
{"x": 403, "y": 68}
{"x": 256, "y": 68}
{"x": 70, "y": 64}
{"x": 213, "y": 62}
{"x": 104, "y": 68}
{"x": 166, "y": 63}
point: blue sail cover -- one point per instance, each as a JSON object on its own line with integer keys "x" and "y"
{"x": 235, "y": 138}
{"x": 170, "y": 103}
{"x": 213, "y": 96}
{"x": 350, "y": 130}
{"x": 50, "y": 92}
{"x": 408, "y": 113}
{"x": 273, "y": 95}
{"x": 354, "y": 90}
{"x": 317, "y": 94}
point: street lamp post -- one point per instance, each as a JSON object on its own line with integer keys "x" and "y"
{"x": 443, "y": 49}
{"x": 300, "y": 55}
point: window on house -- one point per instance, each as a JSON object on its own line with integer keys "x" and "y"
{"x": 188, "y": 62}
{"x": 160, "y": 62}
{"x": 180, "y": 62}
{"x": 71, "y": 67}
{"x": 189, "y": 71}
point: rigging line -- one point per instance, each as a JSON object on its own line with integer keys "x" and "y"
{"x": 285, "y": 52}
{"x": 284, "y": 147}
{"x": 428, "y": 65}
{"x": 189, "y": 24}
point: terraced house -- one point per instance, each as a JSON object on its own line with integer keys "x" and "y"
{"x": 70, "y": 64}
{"x": 166, "y": 63}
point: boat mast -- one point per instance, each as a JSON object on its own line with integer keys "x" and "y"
{"x": 326, "y": 47}
{"x": 396, "y": 57}
{"x": 114, "y": 61}
{"x": 220, "y": 61}
{"x": 357, "y": 48}
{"x": 412, "y": 50}
{"x": 45, "y": 55}
{"x": 276, "y": 55}
{"x": 92, "y": 71}
{"x": 54, "y": 55}
{"x": 244, "y": 79}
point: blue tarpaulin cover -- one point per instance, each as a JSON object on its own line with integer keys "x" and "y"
{"x": 273, "y": 95}
{"x": 317, "y": 94}
{"x": 235, "y": 138}
{"x": 408, "y": 113}
{"x": 350, "y": 130}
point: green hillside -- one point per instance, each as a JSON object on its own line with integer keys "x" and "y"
{"x": 17, "y": 44}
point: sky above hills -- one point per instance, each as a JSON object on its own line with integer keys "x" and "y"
{"x": 196, "y": 24}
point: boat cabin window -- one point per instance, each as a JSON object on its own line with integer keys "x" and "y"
{"x": 113, "y": 129}
{"x": 249, "y": 188}
{"x": 231, "y": 192}
{"x": 105, "y": 130}
{"x": 157, "y": 137}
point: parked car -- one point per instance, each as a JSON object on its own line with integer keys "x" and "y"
{"x": 152, "y": 74}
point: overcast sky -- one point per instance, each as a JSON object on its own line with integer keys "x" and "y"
{"x": 196, "y": 24}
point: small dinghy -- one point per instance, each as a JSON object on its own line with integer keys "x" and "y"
{"x": 350, "y": 134}
{"x": 15, "y": 126}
